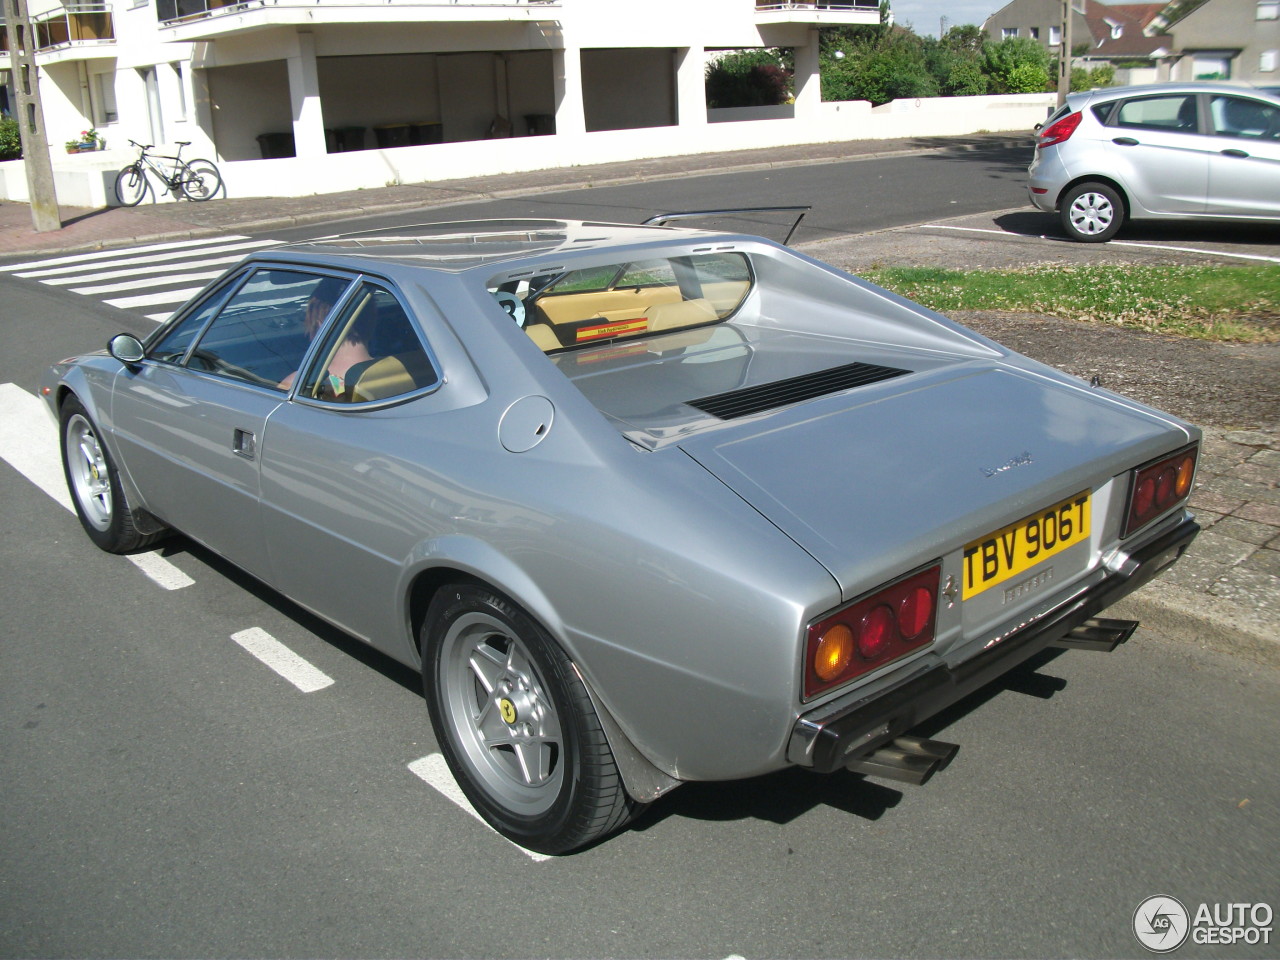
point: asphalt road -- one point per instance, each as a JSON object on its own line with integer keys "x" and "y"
{"x": 165, "y": 794}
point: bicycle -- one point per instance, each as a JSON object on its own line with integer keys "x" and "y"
{"x": 194, "y": 179}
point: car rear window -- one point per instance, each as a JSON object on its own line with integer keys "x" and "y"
{"x": 626, "y": 300}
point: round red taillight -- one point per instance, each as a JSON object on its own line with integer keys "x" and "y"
{"x": 1166, "y": 487}
{"x": 875, "y": 632}
{"x": 914, "y": 611}
{"x": 1144, "y": 496}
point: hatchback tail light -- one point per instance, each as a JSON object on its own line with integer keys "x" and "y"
{"x": 871, "y": 632}
{"x": 1159, "y": 487}
{"x": 1059, "y": 131}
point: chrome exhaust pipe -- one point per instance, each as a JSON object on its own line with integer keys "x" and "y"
{"x": 1098, "y": 634}
{"x": 908, "y": 759}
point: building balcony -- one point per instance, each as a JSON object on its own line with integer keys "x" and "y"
{"x": 210, "y": 19}
{"x": 820, "y": 13}
{"x": 78, "y": 31}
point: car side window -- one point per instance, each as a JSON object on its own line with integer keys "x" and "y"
{"x": 371, "y": 352}
{"x": 1158, "y": 113}
{"x": 262, "y": 333}
{"x": 1242, "y": 117}
{"x": 171, "y": 343}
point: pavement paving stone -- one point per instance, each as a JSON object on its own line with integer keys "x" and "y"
{"x": 1225, "y": 593}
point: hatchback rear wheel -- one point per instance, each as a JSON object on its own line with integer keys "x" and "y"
{"x": 1092, "y": 212}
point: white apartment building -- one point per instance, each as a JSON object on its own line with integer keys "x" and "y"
{"x": 299, "y": 96}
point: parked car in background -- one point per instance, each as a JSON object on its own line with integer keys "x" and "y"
{"x": 646, "y": 505}
{"x": 1163, "y": 151}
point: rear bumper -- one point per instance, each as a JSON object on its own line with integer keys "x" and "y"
{"x": 831, "y": 737}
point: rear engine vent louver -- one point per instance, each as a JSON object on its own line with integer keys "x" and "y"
{"x": 768, "y": 396}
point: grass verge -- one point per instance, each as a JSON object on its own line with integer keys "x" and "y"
{"x": 1210, "y": 303}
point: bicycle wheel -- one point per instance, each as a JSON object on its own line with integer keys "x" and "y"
{"x": 201, "y": 180}
{"x": 131, "y": 185}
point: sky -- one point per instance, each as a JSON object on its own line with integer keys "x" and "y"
{"x": 923, "y": 14}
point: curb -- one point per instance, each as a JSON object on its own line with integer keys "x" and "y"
{"x": 1202, "y": 620}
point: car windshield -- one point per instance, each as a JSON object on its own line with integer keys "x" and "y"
{"x": 626, "y": 300}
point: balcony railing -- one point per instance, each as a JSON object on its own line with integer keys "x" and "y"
{"x": 859, "y": 6}
{"x": 171, "y": 12}
{"x": 80, "y": 22}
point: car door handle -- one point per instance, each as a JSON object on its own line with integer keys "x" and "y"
{"x": 242, "y": 444}
{"x": 1125, "y": 141}
{"x": 1234, "y": 153}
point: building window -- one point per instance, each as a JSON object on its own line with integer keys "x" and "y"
{"x": 1267, "y": 61}
{"x": 1008, "y": 33}
{"x": 1268, "y": 10}
{"x": 1055, "y": 36}
{"x": 1210, "y": 67}
{"x": 1035, "y": 33}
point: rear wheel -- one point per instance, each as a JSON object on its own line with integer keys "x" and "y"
{"x": 131, "y": 185}
{"x": 516, "y": 725}
{"x": 201, "y": 180}
{"x": 95, "y": 486}
{"x": 1092, "y": 212}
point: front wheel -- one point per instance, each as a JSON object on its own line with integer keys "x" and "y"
{"x": 131, "y": 185}
{"x": 1092, "y": 212}
{"x": 201, "y": 180}
{"x": 95, "y": 485}
{"x": 516, "y": 725}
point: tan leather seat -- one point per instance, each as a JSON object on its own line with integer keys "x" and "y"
{"x": 673, "y": 316}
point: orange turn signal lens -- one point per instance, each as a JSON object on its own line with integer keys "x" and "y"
{"x": 833, "y": 652}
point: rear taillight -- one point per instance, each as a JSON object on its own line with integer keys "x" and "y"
{"x": 1159, "y": 487}
{"x": 875, "y": 630}
{"x": 1061, "y": 131}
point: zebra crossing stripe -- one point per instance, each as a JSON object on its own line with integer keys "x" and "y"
{"x": 143, "y": 284}
{"x": 151, "y": 271}
{"x": 107, "y": 254}
{"x": 135, "y": 257}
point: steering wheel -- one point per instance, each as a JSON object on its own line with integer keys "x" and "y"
{"x": 513, "y": 305}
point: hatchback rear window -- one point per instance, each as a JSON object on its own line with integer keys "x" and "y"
{"x": 623, "y": 301}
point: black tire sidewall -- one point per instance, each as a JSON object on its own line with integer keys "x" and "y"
{"x": 1093, "y": 187}
{"x": 554, "y": 831}
{"x": 128, "y": 171}
{"x": 119, "y": 534}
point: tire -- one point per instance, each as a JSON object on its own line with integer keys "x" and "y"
{"x": 95, "y": 486}
{"x": 201, "y": 180}
{"x": 131, "y": 185}
{"x": 516, "y": 725}
{"x": 1092, "y": 212}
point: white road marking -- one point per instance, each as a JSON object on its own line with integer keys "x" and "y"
{"x": 149, "y": 282}
{"x": 151, "y": 271}
{"x": 1114, "y": 243}
{"x": 433, "y": 771}
{"x": 151, "y": 299}
{"x": 29, "y": 442}
{"x": 282, "y": 660}
{"x": 131, "y": 256}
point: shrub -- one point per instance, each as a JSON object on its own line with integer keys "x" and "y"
{"x": 10, "y": 139}
{"x": 1016, "y": 65}
{"x": 751, "y": 78}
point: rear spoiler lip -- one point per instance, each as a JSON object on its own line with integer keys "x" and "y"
{"x": 662, "y": 219}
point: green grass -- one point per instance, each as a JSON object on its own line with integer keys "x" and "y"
{"x": 1211, "y": 303}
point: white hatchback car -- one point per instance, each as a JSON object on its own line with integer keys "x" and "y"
{"x": 1183, "y": 151}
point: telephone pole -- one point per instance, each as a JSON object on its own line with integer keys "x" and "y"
{"x": 1064, "y": 56}
{"x": 30, "y": 116}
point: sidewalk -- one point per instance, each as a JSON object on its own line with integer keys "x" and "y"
{"x": 1224, "y": 594}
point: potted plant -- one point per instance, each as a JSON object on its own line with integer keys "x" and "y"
{"x": 88, "y": 141}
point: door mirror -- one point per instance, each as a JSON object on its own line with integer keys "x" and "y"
{"x": 126, "y": 348}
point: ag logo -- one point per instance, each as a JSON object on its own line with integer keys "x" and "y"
{"x": 1161, "y": 924}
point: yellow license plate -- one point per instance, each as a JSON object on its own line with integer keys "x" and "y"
{"x": 1007, "y": 552}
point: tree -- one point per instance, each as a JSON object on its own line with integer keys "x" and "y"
{"x": 750, "y": 78}
{"x": 871, "y": 64}
{"x": 1016, "y": 65}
